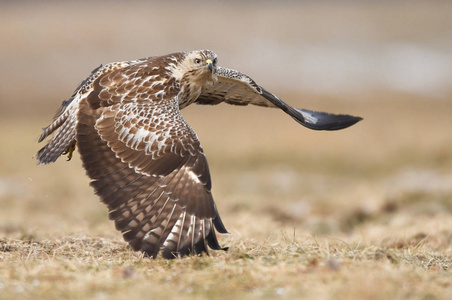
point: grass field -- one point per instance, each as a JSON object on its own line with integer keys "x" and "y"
{"x": 363, "y": 213}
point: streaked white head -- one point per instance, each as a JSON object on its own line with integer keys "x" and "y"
{"x": 195, "y": 72}
{"x": 199, "y": 67}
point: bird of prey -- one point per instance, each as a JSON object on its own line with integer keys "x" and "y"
{"x": 145, "y": 162}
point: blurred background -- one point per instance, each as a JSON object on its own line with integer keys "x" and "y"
{"x": 390, "y": 62}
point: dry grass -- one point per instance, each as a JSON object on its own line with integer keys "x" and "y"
{"x": 86, "y": 267}
{"x": 363, "y": 213}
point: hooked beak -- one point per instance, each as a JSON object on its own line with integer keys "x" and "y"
{"x": 209, "y": 65}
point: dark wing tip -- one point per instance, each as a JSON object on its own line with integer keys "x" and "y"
{"x": 219, "y": 226}
{"x": 312, "y": 119}
{"x": 325, "y": 121}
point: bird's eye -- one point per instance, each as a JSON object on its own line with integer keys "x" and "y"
{"x": 197, "y": 61}
{"x": 215, "y": 61}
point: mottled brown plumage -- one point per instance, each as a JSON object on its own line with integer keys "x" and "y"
{"x": 144, "y": 160}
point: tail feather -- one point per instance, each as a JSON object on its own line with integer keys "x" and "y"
{"x": 63, "y": 124}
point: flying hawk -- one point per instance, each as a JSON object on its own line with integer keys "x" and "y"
{"x": 145, "y": 162}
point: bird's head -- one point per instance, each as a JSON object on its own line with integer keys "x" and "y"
{"x": 199, "y": 66}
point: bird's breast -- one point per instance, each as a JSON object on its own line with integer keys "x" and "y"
{"x": 189, "y": 92}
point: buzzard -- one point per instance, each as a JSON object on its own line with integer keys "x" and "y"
{"x": 145, "y": 162}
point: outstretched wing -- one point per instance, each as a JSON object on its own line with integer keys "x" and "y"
{"x": 147, "y": 165}
{"x": 235, "y": 88}
{"x": 153, "y": 176}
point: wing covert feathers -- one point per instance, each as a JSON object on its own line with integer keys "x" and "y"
{"x": 234, "y": 88}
